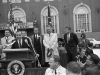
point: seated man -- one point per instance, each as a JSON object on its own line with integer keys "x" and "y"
{"x": 73, "y": 68}
{"x": 5, "y": 42}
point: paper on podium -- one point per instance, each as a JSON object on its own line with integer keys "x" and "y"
{"x": 13, "y": 50}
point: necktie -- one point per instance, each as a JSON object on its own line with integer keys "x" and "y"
{"x": 55, "y": 72}
{"x": 19, "y": 43}
{"x": 49, "y": 35}
{"x": 7, "y": 39}
{"x": 36, "y": 36}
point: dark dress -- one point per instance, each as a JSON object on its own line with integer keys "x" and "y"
{"x": 62, "y": 52}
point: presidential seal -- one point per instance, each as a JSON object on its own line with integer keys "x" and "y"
{"x": 16, "y": 67}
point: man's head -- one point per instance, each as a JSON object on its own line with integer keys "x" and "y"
{"x": 24, "y": 33}
{"x": 54, "y": 62}
{"x": 7, "y": 33}
{"x": 67, "y": 29}
{"x": 36, "y": 31}
{"x": 49, "y": 29}
{"x": 73, "y": 68}
{"x": 18, "y": 35}
{"x": 92, "y": 59}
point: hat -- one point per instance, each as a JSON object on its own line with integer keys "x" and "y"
{"x": 95, "y": 58}
{"x": 73, "y": 67}
{"x": 60, "y": 39}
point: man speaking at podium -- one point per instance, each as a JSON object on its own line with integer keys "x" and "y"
{"x": 21, "y": 42}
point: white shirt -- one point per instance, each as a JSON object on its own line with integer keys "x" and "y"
{"x": 59, "y": 71}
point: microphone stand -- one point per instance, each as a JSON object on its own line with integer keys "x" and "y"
{"x": 36, "y": 57}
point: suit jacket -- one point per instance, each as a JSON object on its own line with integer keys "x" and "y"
{"x": 71, "y": 45}
{"x": 50, "y": 42}
{"x": 73, "y": 41}
{"x": 24, "y": 44}
{"x": 36, "y": 41}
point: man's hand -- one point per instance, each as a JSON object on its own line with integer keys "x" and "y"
{"x": 80, "y": 63}
{"x": 50, "y": 49}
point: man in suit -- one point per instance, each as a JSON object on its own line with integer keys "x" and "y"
{"x": 37, "y": 44}
{"x": 21, "y": 42}
{"x": 50, "y": 43}
{"x": 71, "y": 41}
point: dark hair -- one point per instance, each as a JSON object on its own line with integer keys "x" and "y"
{"x": 90, "y": 44}
{"x": 73, "y": 67}
{"x": 83, "y": 35}
{"x": 69, "y": 28}
{"x": 56, "y": 58}
{"x": 94, "y": 58}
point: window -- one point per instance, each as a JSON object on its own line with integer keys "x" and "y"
{"x": 19, "y": 14}
{"x": 82, "y": 18}
{"x": 54, "y": 19}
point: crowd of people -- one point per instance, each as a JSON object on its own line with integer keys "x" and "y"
{"x": 56, "y": 52}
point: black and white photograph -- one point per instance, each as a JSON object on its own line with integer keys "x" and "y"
{"x": 49, "y": 37}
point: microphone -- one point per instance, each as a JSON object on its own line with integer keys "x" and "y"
{"x": 27, "y": 42}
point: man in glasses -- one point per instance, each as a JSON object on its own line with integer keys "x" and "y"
{"x": 5, "y": 41}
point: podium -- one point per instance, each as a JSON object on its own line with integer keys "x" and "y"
{"x": 23, "y": 55}
{"x": 14, "y": 54}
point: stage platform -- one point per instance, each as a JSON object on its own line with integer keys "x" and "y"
{"x": 29, "y": 71}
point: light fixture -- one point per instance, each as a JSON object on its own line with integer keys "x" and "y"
{"x": 98, "y": 10}
{"x": 65, "y": 10}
